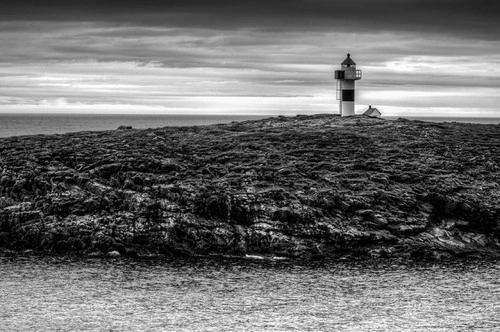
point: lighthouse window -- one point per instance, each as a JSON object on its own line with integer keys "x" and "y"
{"x": 339, "y": 74}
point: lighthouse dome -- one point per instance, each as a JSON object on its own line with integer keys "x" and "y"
{"x": 348, "y": 61}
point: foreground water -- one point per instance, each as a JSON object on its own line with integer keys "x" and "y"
{"x": 229, "y": 295}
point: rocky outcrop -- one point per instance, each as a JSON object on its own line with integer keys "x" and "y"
{"x": 300, "y": 187}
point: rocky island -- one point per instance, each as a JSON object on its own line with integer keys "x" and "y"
{"x": 304, "y": 187}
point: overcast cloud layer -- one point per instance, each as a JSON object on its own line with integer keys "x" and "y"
{"x": 439, "y": 57}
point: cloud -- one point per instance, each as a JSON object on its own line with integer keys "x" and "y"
{"x": 456, "y": 17}
{"x": 259, "y": 56}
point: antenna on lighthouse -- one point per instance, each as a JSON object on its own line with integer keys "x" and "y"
{"x": 345, "y": 85}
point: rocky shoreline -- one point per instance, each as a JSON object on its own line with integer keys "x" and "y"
{"x": 304, "y": 187}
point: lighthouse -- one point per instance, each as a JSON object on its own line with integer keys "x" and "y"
{"x": 345, "y": 85}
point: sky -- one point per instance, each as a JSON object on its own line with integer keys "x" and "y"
{"x": 277, "y": 57}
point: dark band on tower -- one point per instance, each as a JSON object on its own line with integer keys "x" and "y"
{"x": 348, "y": 95}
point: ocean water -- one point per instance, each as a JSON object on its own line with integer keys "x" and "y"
{"x": 33, "y": 124}
{"x": 56, "y": 294}
{"x": 478, "y": 120}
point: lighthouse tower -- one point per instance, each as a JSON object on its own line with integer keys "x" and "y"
{"x": 345, "y": 85}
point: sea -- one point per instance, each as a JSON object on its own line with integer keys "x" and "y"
{"x": 36, "y": 124}
{"x": 93, "y": 294}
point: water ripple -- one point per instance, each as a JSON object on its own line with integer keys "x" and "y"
{"x": 94, "y": 295}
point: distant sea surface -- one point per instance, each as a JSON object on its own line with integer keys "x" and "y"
{"x": 34, "y": 124}
{"x": 479, "y": 120}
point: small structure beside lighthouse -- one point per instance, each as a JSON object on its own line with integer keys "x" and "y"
{"x": 373, "y": 112}
{"x": 345, "y": 85}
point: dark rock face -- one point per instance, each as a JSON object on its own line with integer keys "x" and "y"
{"x": 306, "y": 186}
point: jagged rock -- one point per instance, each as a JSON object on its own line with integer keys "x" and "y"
{"x": 316, "y": 186}
{"x": 113, "y": 253}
